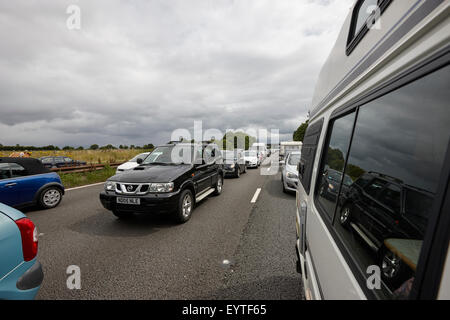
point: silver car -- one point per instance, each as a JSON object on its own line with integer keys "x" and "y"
{"x": 289, "y": 173}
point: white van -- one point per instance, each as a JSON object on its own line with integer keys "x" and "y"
{"x": 373, "y": 203}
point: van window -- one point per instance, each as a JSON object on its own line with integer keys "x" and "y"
{"x": 363, "y": 11}
{"x": 399, "y": 144}
{"x": 364, "y": 14}
{"x": 332, "y": 167}
{"x": 308, "y": 153}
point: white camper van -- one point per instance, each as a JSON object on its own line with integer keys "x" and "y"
{"x": 373, "y": 203}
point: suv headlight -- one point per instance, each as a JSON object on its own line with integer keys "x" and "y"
{"x": 110, "y": 186}
{"x": 161, "y": 187}
{"x": 291, "y": 175}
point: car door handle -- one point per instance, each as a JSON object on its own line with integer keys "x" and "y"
{"x": 10, "y": 184}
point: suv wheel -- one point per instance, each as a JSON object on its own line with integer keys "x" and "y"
{"x": 185, "y": 206}
{"x": 394, "y": 272}
{"x": 238, "y": 171}
{"x": 219, "y": 185}
{"x": 50, "y": 197}
{"x": 344, "y": 217}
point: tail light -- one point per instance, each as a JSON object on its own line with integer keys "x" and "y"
{"x": 29, "y": 235}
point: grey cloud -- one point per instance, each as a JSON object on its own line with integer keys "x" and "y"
{"x": 137, "y": 70}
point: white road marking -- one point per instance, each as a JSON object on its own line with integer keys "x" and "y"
{"x": 86, "y": 186}
{"x": 255, "y": 197}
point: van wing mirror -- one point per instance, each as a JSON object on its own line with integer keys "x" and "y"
{"x": 140, "y": 160}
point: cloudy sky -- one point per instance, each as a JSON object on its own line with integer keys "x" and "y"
{"x": 137, "y": 70}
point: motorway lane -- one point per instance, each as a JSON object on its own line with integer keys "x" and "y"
{"x": 149, "y": 257}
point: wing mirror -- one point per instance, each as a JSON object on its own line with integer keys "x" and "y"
{"x": 140, "y": 160}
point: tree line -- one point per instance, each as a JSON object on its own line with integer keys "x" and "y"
{"x": 18, "y": 147}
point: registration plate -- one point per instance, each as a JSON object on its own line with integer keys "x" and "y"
{"x": 134, "y": 201}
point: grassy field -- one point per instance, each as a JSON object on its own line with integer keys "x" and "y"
{"x": 90, "y": 156}
{"x": 71, "y": 180}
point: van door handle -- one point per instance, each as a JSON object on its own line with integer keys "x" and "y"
{"x": 10, "y": 184}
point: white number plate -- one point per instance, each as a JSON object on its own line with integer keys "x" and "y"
{"x": 135, "y": 201}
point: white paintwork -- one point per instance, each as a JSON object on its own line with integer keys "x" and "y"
{"x": 334, "y": 276}
{"x": 256, "y": 195}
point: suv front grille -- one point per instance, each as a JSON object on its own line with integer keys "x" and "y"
{"x": 132, "y": 188}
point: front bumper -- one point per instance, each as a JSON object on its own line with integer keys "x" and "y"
{"x": 23, "y": 283}
{"x": 149, "y": 203}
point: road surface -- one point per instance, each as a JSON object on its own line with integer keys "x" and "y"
{"x": 230, "y": 249}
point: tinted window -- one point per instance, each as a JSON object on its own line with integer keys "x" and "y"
{"x": 364, "y": 11}
{"x": 67, "y": 159}
{"x": 17, "y": 170}
{"x": 333, "y": 162}
{"x": 5, "y": 171}
{"x": 11, "y": 170}
{"x": 47, "y": 160}
{"x": 399, "y": 144}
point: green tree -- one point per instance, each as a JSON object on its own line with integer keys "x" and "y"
{"x": 247, "y": 142}
{"x": 299, "y": 134}
{"x": 94, "y": 147}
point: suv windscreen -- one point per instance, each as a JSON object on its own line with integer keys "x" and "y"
{"x": 177, "y": 154}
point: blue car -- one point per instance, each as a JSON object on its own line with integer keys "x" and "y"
{"x": 26, "y": 182}
{"x": 21, "y": 274}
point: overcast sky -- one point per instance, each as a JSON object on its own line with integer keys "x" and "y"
{"x": 137, "y": 70}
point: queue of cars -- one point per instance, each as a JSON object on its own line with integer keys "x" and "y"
{"x": 172, "y": 179}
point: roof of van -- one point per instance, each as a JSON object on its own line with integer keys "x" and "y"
{"x": 342, "y": 72}
{"x": 291, "y": 143}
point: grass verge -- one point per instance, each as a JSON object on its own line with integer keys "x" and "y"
{"x": 72, "y": 180}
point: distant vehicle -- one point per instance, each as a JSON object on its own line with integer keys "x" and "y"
{"x": 234, "y": 163}
{"x": 26, "y": 182}
{"x": 60, "y": 162}
{"x": 261, "y": 148}
{"x": 252, "y": 159}
{"x": 379, "y": 117}
{"x": 331, "y": 182}
{"x": 21, "y": 274}
{"x": 287, "y": 147}
{"x": 172, "y": 179}
{"x": 289, "y": 173}
{"x": 131, "y": 164}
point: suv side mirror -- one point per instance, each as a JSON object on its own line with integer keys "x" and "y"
{"x": 140, "y": 160}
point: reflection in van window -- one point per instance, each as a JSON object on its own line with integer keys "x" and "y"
{"x": 397, "y": 154}
{"x": 333, "y": 164}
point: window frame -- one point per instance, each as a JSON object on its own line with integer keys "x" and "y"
{"x": 426, "y": 284}
{"x": 356, "y": 36}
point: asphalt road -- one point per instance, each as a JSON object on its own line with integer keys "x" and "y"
{"x": 150, "y": 257}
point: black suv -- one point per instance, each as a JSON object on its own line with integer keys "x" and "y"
{"x": 171, "y": 179}
{"x": 388, "y": 215}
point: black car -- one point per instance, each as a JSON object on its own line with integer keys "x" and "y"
{"x": 172, "y": 179}
{"x": 388, "y": 215}
{"x": 331, "y": 182}
{"x": 234, "y": 163}
{"x": 60, "y": 162}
